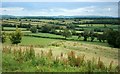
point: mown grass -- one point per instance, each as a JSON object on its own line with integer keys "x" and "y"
{"x": 25, "y": 60}
{"x": 54, "y": 37}
{"x": 44, "y": 39}
{"x": 13, "y": 29}
{"x": 36, "y": 41}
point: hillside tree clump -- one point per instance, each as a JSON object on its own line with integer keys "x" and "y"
{"x": 67, "y": 33}
{"x": 92, "y": 35}
{"x": 46, "y": 28}
{"x": 33, "y": 29}
{"x": 113, "y": 38}
{"x": 85, "y": 35}
{"x": 16, "y": 36}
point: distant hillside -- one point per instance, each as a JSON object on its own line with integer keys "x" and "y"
{"x": 35, "y": 17}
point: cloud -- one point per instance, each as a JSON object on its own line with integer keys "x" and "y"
{"x": 80, "y": 11}
{"x": 12, "y": 9}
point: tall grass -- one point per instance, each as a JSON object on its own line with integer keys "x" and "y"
{"x": 25, "y": 59}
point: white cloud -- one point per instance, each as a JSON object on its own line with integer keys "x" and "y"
{"x": 82, "y": 11}
{"x": 12, "y": 9}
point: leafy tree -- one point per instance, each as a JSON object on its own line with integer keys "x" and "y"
{"x": 29, "y": 26}
{"x": 73, "y": 32}
{"x": 85, "y": 35}
{"x": 3, "y": 37}
{"x": 66, "y": 33}
{"x": 113, "y": 38}
{"x": 92, "y": 35}
{"x": 33, "y": 29}
{"x": 46, "y": 28}
{"x": 118, "y": 41}
{"x": 70, "y": 26}
{"x": 16, "y": 36}
{"x": 79, "y": 36}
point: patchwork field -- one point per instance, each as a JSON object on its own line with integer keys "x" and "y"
{"x": 69, "y": 45}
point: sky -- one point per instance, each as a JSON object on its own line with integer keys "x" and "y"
{"x": 47, "y": 8}
{"x": 60, "y": 0}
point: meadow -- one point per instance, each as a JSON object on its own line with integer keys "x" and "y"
{"x": 44, "y": 49}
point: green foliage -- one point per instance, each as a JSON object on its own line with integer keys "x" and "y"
{"x": 33, "y": 29}
{"x": 66, "y": 33}
{"x": 85, "y": 35}
{"x": 3, "y": 37}
{"x": 16, "y": 36}
{"x": 113, "y": 38}
{"x": 46, "y": 28}
{"x": 26, "y": 61}
{"x": 92, "y": 35}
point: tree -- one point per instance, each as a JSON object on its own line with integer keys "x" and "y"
{"x": 29, "y": 26}
{"x": 118, "y": 41}
{"x": 85, "y": 35}
{"x": 113, "y": 38}
{"x": 46, "y": 28}
{"x": 16, "y": 36}
{"x": 66, "y": 33}
{"x": 3, "y": 37}
{"x": 92, "y": 35}
{"x": 33, "y": 29}
{"x": 79, "y": 36}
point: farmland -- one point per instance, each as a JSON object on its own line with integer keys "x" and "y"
{"x": 63, "y": 38}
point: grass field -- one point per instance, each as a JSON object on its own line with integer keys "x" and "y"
{"x": 13, "y": 29}
{"x": 58, "y": 44}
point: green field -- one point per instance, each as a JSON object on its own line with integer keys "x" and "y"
{"x": 51, "y": 40}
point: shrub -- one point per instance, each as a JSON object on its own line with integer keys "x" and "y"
{"x": 33, "y": 29}
{"x": 25, "y": 60}
{"x": 46, "y": 28}
{"x": 113, "y": 38}
{"x": 85, "y": 35}
{"x": 66, "y": 33}
{"x": 16, "y": 36}
{"x": 3, "y": 37}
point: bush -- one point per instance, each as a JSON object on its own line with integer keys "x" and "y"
{"x": 85, "y": 35}
{"x": 16, "y": 36}
{"x": 3, "y": 37}
{"x": 113, "y": 38}
{"x": 25, "y": 60}
{"x": 33, "y": 29}
{"x": 66, "y": 33}
{"x": 46, "y": 28}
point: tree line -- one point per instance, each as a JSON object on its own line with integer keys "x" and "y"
{"x": 111, "y": 36}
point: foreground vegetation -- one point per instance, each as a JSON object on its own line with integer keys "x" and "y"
{"x": 25, "y": 60}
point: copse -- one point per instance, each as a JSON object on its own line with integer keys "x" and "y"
{"x": 66, "y": 33}
{"x": 113, "y": 38}
{"x": 33, "y": 29}
{"x": 46, "y": 28}
{"x": 16, "y": 36}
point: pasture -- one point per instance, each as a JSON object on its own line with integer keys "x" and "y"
{"x": 48, "y": 37}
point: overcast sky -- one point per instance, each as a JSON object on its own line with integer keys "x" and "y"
{"x": 97, "y": 8}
